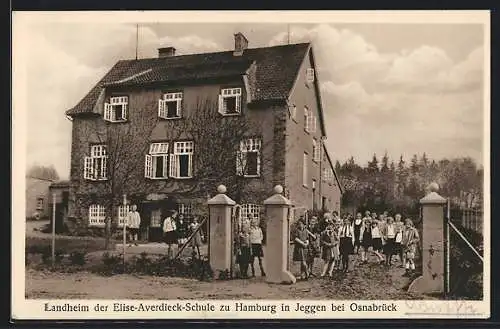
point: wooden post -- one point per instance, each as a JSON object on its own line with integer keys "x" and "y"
{"x": 124, "y": 229}
{"x": 53, "y": 228}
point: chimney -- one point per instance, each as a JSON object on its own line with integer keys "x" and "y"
{"x": 240, "y": 44}
{"x": 166, "y": 52}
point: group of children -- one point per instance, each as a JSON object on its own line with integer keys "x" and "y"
{"x": 334, "y": 239}
{"x": 249, "y": 246}
{"x": 177, "y": 230}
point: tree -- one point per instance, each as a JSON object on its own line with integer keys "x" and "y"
{"x": 43, "y": 172}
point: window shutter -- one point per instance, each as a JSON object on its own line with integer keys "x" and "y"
{"x": 239, "y": 163}
{"x": 165, "y": 166}
{"x": 87, "y": 168}
{"x": 179, "y": 107}
{"x": 104, "y": 168}
{"x": 258, "y": 163}
{"x": 148, "y": 166}
{"x": 125, "y": 112}
{"x": 238, "y": 103}
{"x": 221, "y": 105}
{"x": 161, "y": 108}
{"x": 107, "y": 111}
{"x": 190, "y": 165}
{"x": 173, "y": 166}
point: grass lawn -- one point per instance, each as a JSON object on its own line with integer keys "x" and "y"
{"x": 67, "y": 244}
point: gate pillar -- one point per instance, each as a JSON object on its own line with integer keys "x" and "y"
{"x": 277, "y": 244}
{"x": 432, "y": 279}
{"x": 220, "y": 230}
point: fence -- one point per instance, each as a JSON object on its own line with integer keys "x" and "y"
{"x": 465, "y": 259}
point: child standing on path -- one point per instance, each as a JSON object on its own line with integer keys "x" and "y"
{"x": 169, "y": 232}
{"x": 314, "y": 250}
{"x": 330, "y": 248}
{"x": 410, "y": 241}
{"x": 196, "y": 241}
{"x": 301, "y": 242}
{"x": 256, "y": 237}
{"x": 244, "y": 251}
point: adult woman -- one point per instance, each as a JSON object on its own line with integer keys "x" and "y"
{"x": 301, "y": 242}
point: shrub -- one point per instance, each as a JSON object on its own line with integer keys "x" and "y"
{"x": 78, "y": 258}
{"x": 142, "y": 264}
{"x": 111, "y": 264}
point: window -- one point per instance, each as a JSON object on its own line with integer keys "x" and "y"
{"x": 313, "y": 184}
{"x": 305, "y": 174}
{"x": 316, "y": 151}
{"x": 250, "y": 209}
{"x": 181, "y": 161}
{"x": 155, "y": 218}
{"x": 39, "y": 204}
{"x": 328, "y": 175}
{"x": 293, "y": 112}
{"x": 230, "y": 101}
{"x": 116, "y": 109}
{"x": 185, "y": 209}
{"x": 309, "y": 121}
{"x": 248, "y": 158}
{"x": 97, "y": 215}
{"x": 309, "y": 75}
{"x": 170, "y": 106}
{"x": 156, "y": 163}
{"x": 122, "y": 214}
{"x": 95, "y": 166}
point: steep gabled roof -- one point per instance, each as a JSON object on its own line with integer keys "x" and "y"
{"x": 276, "y": 70}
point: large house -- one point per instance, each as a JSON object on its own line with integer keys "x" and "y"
{"x": 135, "y": 108}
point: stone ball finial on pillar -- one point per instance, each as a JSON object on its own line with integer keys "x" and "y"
{"x": 278, "y": 189}
{"x": 221, "y": 189}
{"x": 433, "y": 187}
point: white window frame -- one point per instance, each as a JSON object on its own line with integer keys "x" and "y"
{"x": 328, "y": 175}
{"x": 176, "y": 97}
{"x": 249, "y": 145}
{"x": 95, "y": 165}
{"x": 316, "y": 151}
{"x": 310, "y": 75}
{"x": 181, "y": 148}
{"x": 185, "y": 208}
{"x": 157, "y": 152}
{"x": 305, "y": 170}
{"x": 97, "y": 215}
{"x": 110, "y": 109}
{"x": 39, "y": 203}
{"x": 156, "y": 220}
{"x": 250, "y": 208}
{"x": 229, "y": 93}
{"x": 310, "y": 121}
{"x": 122, "y": 214}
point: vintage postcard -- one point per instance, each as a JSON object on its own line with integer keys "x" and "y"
{"x": 251, "y": 165}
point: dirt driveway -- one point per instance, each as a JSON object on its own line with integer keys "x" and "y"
{"x": 367, "y": 282}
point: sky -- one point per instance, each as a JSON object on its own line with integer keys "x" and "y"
{"x": 398, "y": 88}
